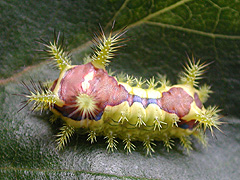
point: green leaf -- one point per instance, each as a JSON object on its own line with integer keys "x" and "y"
{"x": 162, "y": 34}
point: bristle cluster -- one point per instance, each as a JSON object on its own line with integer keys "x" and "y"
{"x": 85, "y": 105}
{"x": 139, "y": 82}
{"x": 204, "y": 92}
{"x": 140, "y": 121}
{"x": 193, "y": 72}
{"x": 57, "y": 53}
{"x": 123, "y": 118}
{"x": 130, "y": 80}
{"x": 209, "y": 118}
{"x": 163, "y": 81}
{"x": 121, "y": 77}
{"x": 129, "y": 146}
{"x": 53, "y": 118}
{"x": 41, "y": 96}
{"x": 105, "y": 47}
{"x": 186, "y": 143}
{"x": 147, "y": 144}
{"x": 168, "y": 143}
{"x": 64, "y": 136}
{"x": 152, "y": 83}
{"x": 158, "y": 124}
{"x": 92, "y": 136}
{"x": 111, "y": 141}
{"x": 200, "y": 135}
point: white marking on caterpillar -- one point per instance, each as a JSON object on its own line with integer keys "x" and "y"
{"x": 87, "y": 78}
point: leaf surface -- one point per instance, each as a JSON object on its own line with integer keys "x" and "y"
{"x": 162, "y": 34}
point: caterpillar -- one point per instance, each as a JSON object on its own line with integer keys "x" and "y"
{"x": 122, "y": 107}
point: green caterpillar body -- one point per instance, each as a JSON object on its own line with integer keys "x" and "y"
{"x": 86, "y": 96}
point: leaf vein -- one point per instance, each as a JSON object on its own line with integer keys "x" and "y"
{"x": 161, "y": 11}
{"x": 69, "y": 170}
{"x": 208, "y": 34}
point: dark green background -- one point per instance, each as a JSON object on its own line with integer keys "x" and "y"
{"x": 161, "y": 35}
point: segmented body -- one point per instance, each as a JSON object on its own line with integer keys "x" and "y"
{"x": 86, "y": 96}
{"x": 125, "y": 111}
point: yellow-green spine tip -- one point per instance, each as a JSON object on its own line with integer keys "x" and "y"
{"x": 209, "y": 118}
{"x": 129, "y": 146}
{"x": 105, "y": 47}
{"x": 42, "y": 97}
{"x": 193, "y": 72}
{"x": 63, "y": 137}
{"x": 111, "y": 141}
{"x": 57, "y": 53}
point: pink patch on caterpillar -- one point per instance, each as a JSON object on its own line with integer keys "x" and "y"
{"x": 177, "y": 101}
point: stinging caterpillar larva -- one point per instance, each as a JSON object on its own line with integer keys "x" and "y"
{"x": 86, "y": 96}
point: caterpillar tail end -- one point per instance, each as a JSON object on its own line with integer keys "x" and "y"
{"x": 209, "y": 118}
